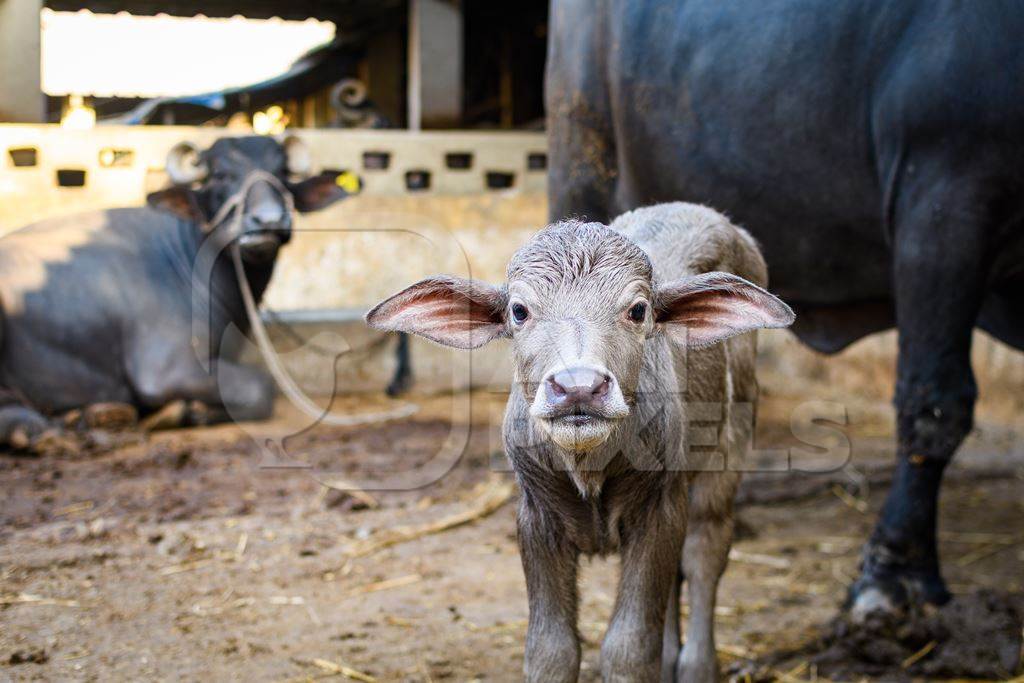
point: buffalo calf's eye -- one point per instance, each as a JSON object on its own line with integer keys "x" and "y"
{"x": 519, "y": 313}
{"x": 637, "y": 312}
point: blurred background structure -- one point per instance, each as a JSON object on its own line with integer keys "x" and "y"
{"x": 422, "y": 63}
{"x": 437, "y": 104}
{"x": 127, "y": 79}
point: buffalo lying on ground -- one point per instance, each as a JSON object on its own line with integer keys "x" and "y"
{"x": 875, "y": 150}
{"x": 100, "y": 307}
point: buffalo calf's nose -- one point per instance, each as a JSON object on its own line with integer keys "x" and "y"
{"x": 576, "y": 386}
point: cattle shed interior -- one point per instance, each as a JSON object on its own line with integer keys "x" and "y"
{"x": 424, "y": 63}
{"x": 455, "y": 157}
{"x": 283, "y": 549}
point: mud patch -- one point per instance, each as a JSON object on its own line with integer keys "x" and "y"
{"x": 33, "y": 656}
{"x": 977, "y": 635}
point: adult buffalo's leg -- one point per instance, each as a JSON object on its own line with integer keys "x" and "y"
{"x": 232, "y": 392}
{"x": 20, "y": 425}
{"x": 402, "y": 379}
{"x": 581, "y": 143}
{"x": 245, "y": 393}
{"x": 941, "y": 260}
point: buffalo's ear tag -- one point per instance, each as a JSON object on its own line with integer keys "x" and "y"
{"x": 348, "y": 181}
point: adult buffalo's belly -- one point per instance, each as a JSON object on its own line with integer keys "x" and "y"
{"x": 54, "y": 379}
{"x": 66, "y": 292}
{"x": 822, "y": 250}
{"x": 836, "y": 272}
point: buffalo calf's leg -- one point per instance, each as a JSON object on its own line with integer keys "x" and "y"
{"x": 670, "y": 638}
{"x": 550, "y": 565}
{"x": 941, "y": 257}
{"x": 632, "y": 647}
{"x": 705, "y": 555}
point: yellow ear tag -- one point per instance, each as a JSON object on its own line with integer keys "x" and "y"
{"x": 348, "y": 182}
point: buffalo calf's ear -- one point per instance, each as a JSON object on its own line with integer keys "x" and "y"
{"x": 323, "y": 190}
{"x": 711, "y": 307}
{"x": 448, "y": 310}
{"x": 178, "y": 200}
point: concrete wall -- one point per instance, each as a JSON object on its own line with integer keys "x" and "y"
{"x": 21, "y": 97}
{"x": 124, "y": 178}
{"x": 435, "y": 64}
{"x": 351, "y": 255}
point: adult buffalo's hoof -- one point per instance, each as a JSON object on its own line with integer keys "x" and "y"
{"x": 400, "y": 384}
{"x": 172, "y": 416}
{"x": 867, "y": 598}
{"x": 55, "y": 442}
{"x": 20, "y": 438}
{"x": 20, "y": 427}
{"x": 889, "y": 587}
{"x": 199, "y": 414}
{"x": 111, "y": 416}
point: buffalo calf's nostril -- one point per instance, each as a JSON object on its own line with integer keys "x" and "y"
{"x": 554, "y": 388}
{"x": 577, "y": 385}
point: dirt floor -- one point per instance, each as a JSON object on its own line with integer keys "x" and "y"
{"x": 181, "y": 556}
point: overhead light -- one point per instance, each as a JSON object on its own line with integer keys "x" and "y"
{"x": 270, "y": 122}
{"x": 78, "y": 115}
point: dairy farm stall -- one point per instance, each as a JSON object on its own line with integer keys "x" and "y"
{"x": 359, "y": 535}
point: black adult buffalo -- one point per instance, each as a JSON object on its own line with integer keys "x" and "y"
{"x": 99, "y": 307}
{"x": 875, "y": 149}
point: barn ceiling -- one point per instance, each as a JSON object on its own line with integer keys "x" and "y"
{"x": 348, "y": 15}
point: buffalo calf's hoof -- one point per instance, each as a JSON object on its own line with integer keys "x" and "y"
{"x": 697, "y": 672}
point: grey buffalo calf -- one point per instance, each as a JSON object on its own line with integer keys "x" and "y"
{"x": 618, "y": 335}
